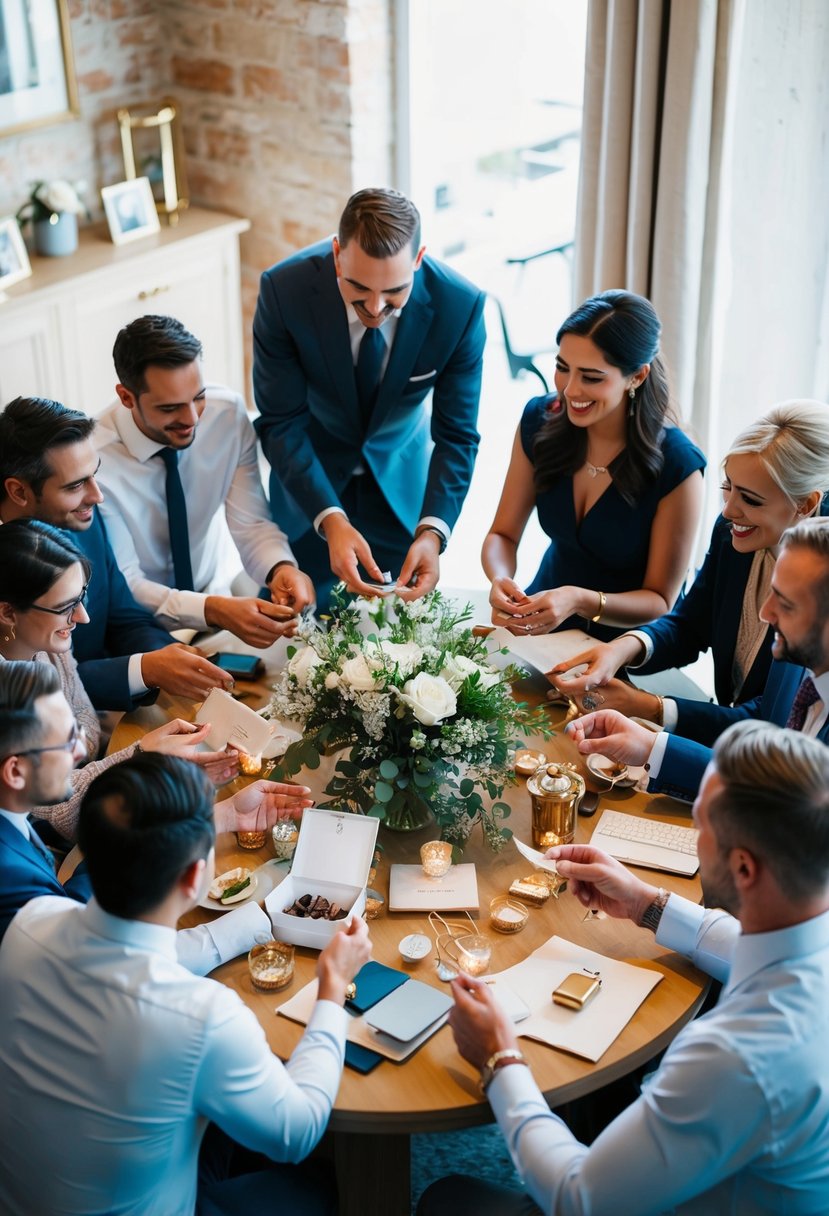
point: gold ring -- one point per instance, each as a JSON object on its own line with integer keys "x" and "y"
{"x": 351, "y": 991}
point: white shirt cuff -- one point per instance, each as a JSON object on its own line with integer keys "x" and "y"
{"x": 235, "y": 932}
{"x": 135, "y": 679}
{"x": 322, "y": 515}
{"x": 647, "y": 642}
{"x": 434, "y": 522}
{"x": 657, "y": 755}
{"x": 670, "y": 714}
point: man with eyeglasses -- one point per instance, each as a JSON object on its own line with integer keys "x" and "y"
{"x": 48, "y": 470}
{"x": 40, "y": 745}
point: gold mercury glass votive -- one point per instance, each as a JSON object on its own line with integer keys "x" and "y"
{"x": 507, "y": 916}
{"x": 285, "y": 835}
{"x": 271, "y": 965}
{"x": 374, "y": 904}
{"x": 251, "y": 840}
{"x": 436, "y": 858}
{"x": 527, "y": 761}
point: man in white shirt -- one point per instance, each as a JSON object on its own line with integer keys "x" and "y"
{"x": 733, "y": 1121}
{"x": 40, "y": 745}
{"x": 175, "y": 454}
{"x": 113, "y": 1058}
{"x": 797, "y": 689}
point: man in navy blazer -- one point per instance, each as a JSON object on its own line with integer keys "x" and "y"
{"x": 47, "y": 472}
{"x": 360, "y": 471}
{"x": 796, "y": 693}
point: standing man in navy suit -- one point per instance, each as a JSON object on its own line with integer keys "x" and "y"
{"x": 350, "y": 337}
{"x": 48, "y": 470}
{"x": 796, "y": 692}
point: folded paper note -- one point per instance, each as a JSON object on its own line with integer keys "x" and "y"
{"x": 233, "y": 723}
{"x": 410, "y": 890}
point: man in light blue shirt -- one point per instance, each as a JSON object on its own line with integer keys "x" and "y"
{"x": 114, "y": 1058}
{"x": 734, "y": 1120}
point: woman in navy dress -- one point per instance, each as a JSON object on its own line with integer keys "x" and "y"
{"x": 617, "y": 487}
{"x": 775, "y": 474}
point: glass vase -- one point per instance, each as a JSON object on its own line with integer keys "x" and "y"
{"x": 411, "y": 815}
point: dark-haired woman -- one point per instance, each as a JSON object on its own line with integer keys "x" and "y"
{"x": 43, "y": 580}
{"x": 617, "y": 487}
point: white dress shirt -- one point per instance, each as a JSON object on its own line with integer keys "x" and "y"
{"x": 219, "y": 472}
{"x": 734, "y": 1120}
{"x": 113, "y": 1059}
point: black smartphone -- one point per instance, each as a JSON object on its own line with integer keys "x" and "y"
{"x": 240, "y": 666}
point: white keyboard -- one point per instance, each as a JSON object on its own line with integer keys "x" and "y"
{"x": 647, "y": 842}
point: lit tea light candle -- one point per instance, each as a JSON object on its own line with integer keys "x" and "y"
{"x": 527, "y": 761}
{"x": 285, "y": 835}
{"x": 251, "y": 840}
{"x": 506, "y": 916}
{"x": 474, "y": 953}
{"x": 436, "y": 858}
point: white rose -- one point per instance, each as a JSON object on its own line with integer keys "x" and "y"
{"x": 60, "y": 196}
{"x": 332, "y": 680}
{"x": 302, "y": 664}
{"x": 407, "y": 655}
{"x": 430, "y": 698}
{"x": 457, "y": 668}
{"x": 357, "y": 674}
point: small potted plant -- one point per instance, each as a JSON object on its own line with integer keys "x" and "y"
{"x": 53, "y": 209}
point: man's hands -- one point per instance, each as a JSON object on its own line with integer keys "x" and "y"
{"x": 341, "y": 959}
{"x": 182, "y": 671}
{"x": 613, "y": 735}
{"x": 347, "y": 547}
{"x": 602, "y": 883}
{"x": 291, "y": 588}
{"x": 254, "y": 621}
{"x": 180, "y": 738}
{"x": 478, "y": 1023}
{"x": 260, "y": 805}
{"x": 420, "y": 571}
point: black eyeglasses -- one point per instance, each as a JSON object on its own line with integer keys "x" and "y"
{"x": 77, "y": 736}
{"x": 68, "y": 610}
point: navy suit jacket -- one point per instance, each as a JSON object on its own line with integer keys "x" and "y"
{"x": 118, "y": 626}
{"x": 309, "y": 424}
{"x": 25, "y": 874}
{"x": 686, "y": 760}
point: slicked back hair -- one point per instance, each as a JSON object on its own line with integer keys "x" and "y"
{"x": 383, "y": 222}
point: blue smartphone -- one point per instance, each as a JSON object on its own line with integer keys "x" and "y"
{"x": 240, "y": 666}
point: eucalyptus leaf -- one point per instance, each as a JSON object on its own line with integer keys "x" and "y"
{"x": 383, "y": 792}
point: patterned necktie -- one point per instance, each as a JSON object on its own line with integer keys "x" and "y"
{"x": 805, "y": 697}
{"x": 41, "y": 848}
{"x": 177, "y": 522}
{"x": 367, "y": 373}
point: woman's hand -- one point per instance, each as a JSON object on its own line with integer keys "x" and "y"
{"x": 618, "y": 694}
{"x": 603, "y": 661}
{"x": 542, "y": 612}
{"x": 260, "y": 805}
{"x": 507, "y": 599}
{"x": 182, "y": 739}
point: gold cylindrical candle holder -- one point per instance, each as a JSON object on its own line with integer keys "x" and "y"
{"x": 251, "y": 840}
{"x": 507, "y": 916}
{"x": 271, "y": 965}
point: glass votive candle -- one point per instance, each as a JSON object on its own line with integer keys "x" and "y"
{"x": 250, "y": 766}
{"x": 285, "y": 835}
{"x": 374, "y": 904}
{"x": 507, "y": 916}
{"x": 473, "y": 953}
{"x": 527, "y": 761}
{"x": 271, "y": 965}
{"x": 251, "y": 840}
{"x": 436, "y": 858}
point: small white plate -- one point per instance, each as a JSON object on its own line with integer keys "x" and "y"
{"x": 268, "y": 876}
{"x": 415, "y": 946}
{"x": 603, "y": 768}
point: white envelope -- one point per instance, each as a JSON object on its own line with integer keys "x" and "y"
{"x": 234, "y": 723}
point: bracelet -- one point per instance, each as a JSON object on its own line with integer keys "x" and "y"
{"x": 653, "y": 913}
{"x": 660, "y": 710}
{"x": 431, "y": 528}
{"x": 602, "y": 602}
{"x": 137, "y": 749}
{"x": 499, "y": 1059}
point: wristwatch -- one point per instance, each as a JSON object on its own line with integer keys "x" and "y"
{"x": 421, "y": 528}
{"x": 653, "y": 913}
{"x": 499, "y": 1059}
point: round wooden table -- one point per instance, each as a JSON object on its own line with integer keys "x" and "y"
{"x": 435, "y": 1090}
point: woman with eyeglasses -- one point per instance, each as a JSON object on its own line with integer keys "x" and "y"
{"x": 43, "y": 580}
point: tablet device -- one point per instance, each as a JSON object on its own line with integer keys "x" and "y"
{"x": 409, "y": 1010}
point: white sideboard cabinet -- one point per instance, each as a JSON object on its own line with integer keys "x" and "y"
{"x": 57, "y": 327}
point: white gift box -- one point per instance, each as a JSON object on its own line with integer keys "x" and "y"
{"x": 333, "y": 857}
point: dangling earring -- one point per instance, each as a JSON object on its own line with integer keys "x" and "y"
{"x": 632, "y": 406}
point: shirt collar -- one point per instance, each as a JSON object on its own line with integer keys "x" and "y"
{"x": 139, "y": 445}
{"x": 756, "y": 951}
{"x": 18, "y": 819}
{"x": 822, "y": 686}
{"x": 140, "y": 933}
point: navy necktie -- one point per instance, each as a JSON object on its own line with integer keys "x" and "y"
{"x": 177, "y": 522}
{"x": 804, "y": 699}
{"x": 367, "y": 373}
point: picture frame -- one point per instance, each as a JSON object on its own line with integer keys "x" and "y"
{"x": 37, "y": 72}
{"x": 14, "y": 260}
{"x": 153, "y": 147}
{"x": 130, "y": 210}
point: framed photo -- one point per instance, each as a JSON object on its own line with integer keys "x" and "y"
{"x": 14, "y": 260}
{"x": 37, "y": 75}
{"x": 130, "y": 210}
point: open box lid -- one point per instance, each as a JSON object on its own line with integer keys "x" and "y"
{"x": 335, "y": 846}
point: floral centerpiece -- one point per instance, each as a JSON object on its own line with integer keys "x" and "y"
{"x": 429, "y": 721}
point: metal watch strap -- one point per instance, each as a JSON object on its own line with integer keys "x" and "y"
{"x": 653, "y": 914}
{"x": 431, "y": 528}
{"x": 497, "y": 1060}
